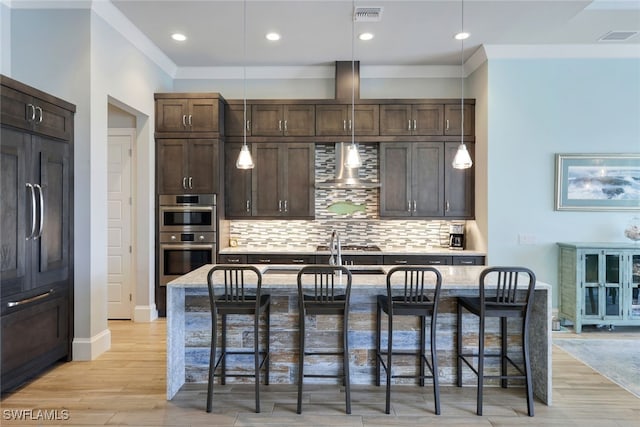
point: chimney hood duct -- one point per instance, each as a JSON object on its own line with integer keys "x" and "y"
{"x": 345, "y": 177}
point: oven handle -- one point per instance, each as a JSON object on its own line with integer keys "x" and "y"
{"x": 187, "y": 208}
{"x": 187, "y": 246}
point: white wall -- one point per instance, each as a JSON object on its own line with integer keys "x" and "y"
{"x": 537, "y": 108}
{"x": 5, "y": 40}
{"x": 88, "y": 63}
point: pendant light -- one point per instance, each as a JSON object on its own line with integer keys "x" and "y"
{"x": 353, "y": 159}
{"x": 462, "y": 159}
{"x": 244, "y": 158}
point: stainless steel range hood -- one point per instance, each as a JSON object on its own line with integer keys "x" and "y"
{"x": 345, "y": 177}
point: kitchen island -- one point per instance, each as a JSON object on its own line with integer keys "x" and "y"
{"x": 189, "y": 328}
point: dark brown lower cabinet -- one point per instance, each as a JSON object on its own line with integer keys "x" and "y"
{"x": 36, "y": 250}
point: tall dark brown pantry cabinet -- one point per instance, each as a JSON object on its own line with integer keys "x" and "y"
{"x": 36, "y": 220}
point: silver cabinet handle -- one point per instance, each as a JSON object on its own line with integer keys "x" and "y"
{"x": 350, "y": 124}
{"x": 248, "y": 125}
{"x": 297, "y": 261}
{"x": 286, "y": 206}
{"x": 464, "y": 262}
{"x": 344, "y": 125}
{"x": 190, "y": 183}
{"x": 184, "y": 120}
{"x": 40, "y": 111}
{"x": 184, "y": 182}
{"x": 265, "y": 260}
{"x": 447, "y": 124}
{"x": 279, "y": 205}
{"x": 409, "y": 124}
{"x": 434, "y": 261}
{"x": 233, "y": 260}
{"x": 415, "y": 124}
{"x": 248, "y": 206}
{"x": 400, "y": 261}
{"x": 415, "y": 206}
{"x": 285, "y": 126}
{"x": 33, "y": 112}
{"x": 409, "y": 206}
{"x": 190, "y": 117}
{"x": 446, "y": 206}
{"x": 33, "y": 211}
{"x": 31, "y": 299}
{"x": 280, "y": 125}
{"x": 39, "y": 188}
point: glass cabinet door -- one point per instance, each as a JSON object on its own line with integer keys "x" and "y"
{"x": 591, "y": 286}
{"x": 634, "y": 283}
{"x": 612, "y": 285}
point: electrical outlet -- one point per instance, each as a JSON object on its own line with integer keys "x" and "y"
{"x": 526, "y": 239}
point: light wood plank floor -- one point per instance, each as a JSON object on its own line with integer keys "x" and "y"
{"x": 127, "y": 386}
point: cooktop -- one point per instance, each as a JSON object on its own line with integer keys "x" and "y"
{"x": 364, "y": 248}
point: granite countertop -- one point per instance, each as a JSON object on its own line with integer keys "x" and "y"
{"x": 384, "y": 250}
{"x": 285, "y": 276}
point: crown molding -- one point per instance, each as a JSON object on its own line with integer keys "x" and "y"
{"x": 605, "y": 50}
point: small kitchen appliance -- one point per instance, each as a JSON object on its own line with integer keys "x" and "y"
{"x": 456, "y": 236}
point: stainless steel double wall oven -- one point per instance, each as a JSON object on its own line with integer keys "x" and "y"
{"x": 187, "y": 234}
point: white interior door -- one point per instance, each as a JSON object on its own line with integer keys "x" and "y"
{"x": 120, "y": 199}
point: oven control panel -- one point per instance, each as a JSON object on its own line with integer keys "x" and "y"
{"x": 188, "y": 237}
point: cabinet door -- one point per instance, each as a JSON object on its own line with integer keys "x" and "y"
{"x": 203, "y": 166}
{"x": 634, "y": 286}
{"x": 16, "y": 222}
{"x": 299, "y": 120}
{"x": 266, "y": 180}
{"x": 17, "y": 108}
{"x": 428, "y": 119}
{"x": 51, "y": 246}
{"x": 612, "y": 281}
{"x": 331, "y": 120}
{"x": 202, "y": 115}
{"x": 590, "y": 304}
{"x": 52, "y": 120}
{"x": 237, "y": 184}
{"x": 395, "y": 119}
{"x": 299, "y": 179}
{"x": 453, "y": 119}
{"x": 367, "y": 119}
{"x": 171, "y": 167}
{"x": 234, "y": 122}
{"x": 458, "y": 184}
{"x": 171, "y": 115}
{"x": 267, "y": 120}
{"x": 427, "y": 185}
{"x": 395, "y": 179}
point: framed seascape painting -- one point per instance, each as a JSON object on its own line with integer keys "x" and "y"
{"x": 592, "y": 182}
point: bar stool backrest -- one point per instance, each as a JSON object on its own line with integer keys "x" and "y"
{"x": 501, "y": 288}
{"x": 413, "y": 287}
{"x": 242, "y": 284}
{"x": 324, "y": 283}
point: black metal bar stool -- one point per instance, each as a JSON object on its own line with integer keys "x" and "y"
{"x": 324, "y": 290}
{"x": 505, "y": 292}
{"x": 242, "y": 295}
{"x": 411, "y": 291}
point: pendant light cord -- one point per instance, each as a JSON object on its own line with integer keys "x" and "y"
{"x": 462, "y": 74}
{"x": 353, "y": 72}
{"x": 244, "y": 70}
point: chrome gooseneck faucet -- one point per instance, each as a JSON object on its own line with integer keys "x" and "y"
{"x": 335, "y": 257}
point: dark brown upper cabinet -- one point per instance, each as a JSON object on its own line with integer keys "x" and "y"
{"x": 336, "y": 120}
{"x": 187, "y": 166}
{"x": 186, "y": 113}
{"x": 237, "y": 201}
{"x": 282, "y": 120}
{"x": 417, "y": 180}
{"x": 234, "y": 120}
{"x": 411, "y": 119}
{"x": 453, "y": 119}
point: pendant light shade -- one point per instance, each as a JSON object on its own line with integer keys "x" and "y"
{"x": 462, "y": 159}
{"x": 245, "y": 161}
{"x": 353, "y": 157}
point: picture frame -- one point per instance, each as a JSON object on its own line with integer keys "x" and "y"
{"x": 597, "y": 182}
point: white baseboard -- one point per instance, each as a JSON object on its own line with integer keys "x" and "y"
{"x": 85, "y": 349}
{"x": 145, "y": 313}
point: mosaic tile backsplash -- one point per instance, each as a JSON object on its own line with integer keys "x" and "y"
{"x": 361, "y": 227}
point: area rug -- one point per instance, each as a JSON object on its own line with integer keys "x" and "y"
{"x": 616, "y": 359}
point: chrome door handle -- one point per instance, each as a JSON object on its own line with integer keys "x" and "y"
{"x": 400, "y": 261}
{"x": 33, "y": 112}
{"x": 415, "y": 124}
{"x": 33, "y": 211}
{"x": 286, "y": 207}
{"x": 279, "y": 205}
{"x": 344, "y": 125}
{"x": 350, "y": 124}
{"x": 190, "y": 117}
{"x": 40, "y": 111}
{"x": 446, "y": 206}
{"x": 184, "y": 182}
{"x": 415, "y": 206}
{"x": 409, "y": 206}
{"x": 248, "y": 125}
{"x": 31, "y": 299}
{"x": 280, "y": 125}
{"x": 409, "y": 125}
{"x": 190, "y": 183}
{"x": 447, "y": 124}
{"x": 265, "y": 260}
{"x": 286, "y": 129}
{"x": 248, "y": 206}
{"x": 39, "y": 188}
{"x": 184, "y": 120}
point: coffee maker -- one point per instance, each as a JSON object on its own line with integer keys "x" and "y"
{"x": 456, "y": 236}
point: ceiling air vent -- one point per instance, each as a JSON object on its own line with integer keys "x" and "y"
{"x": 617, "y": 36}
{"x": 367, "y": 14}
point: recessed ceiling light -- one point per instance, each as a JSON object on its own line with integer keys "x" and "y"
{"x": 365, "y": 36}
{"x": 178, "y": 37}
{"x": 462, "y": 36}
{"x": 273, "y": 37}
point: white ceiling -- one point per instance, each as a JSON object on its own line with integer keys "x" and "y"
{"x": 410, "y": 32}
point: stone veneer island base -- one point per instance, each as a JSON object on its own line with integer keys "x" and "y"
{"x": 189, "y": 331}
